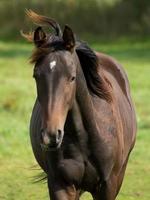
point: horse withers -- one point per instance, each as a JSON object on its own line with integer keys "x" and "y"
{"x": 83, "y": 123}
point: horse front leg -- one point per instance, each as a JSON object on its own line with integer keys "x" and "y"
{"x": 59, "y": 190}
{"x": 107, "y": 190}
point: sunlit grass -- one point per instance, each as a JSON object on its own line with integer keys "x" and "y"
{"x": 17, "y": 94}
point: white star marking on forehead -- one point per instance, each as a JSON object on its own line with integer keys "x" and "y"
{"x": 52, "y": 64}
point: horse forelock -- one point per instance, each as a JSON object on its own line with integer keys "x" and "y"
{"x": 53, "y": 43}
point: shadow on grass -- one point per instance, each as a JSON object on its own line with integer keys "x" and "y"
{"x": 131, "y": 54}
{"x": 121, "y": 51}
{"x": 11, "y": 53}
{"x": 144, "y": 126}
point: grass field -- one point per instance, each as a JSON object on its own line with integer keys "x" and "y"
{"x": 17, "y": 93}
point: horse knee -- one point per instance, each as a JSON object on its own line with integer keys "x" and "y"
{"x": 61, "y": 191}
{"x": 108, "y": 189}
{"x": 71, "y": 170}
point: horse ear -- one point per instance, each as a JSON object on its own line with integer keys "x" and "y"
{"x": 39, "y": 37}
{"x": 68, "y": 38}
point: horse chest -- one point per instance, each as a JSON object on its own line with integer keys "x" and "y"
{"x": 74, "y": 169}
{"x": 71, "y": 165}
{"x": 91, "y": 178}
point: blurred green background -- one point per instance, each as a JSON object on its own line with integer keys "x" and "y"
{"x": 120, "y": 28}
{"x": 110, "y": 18}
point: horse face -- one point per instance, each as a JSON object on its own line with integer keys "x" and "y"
{"x": 55, "y": 79}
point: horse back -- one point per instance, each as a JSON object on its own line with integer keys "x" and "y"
{"x": 122, "y": 105}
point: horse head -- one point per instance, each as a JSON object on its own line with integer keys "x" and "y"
{"x": 55, "y": 76}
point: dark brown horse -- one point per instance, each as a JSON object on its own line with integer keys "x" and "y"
{"x": 83, "y": 124}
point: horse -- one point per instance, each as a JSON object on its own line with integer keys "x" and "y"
{"x": 83, "y": 123}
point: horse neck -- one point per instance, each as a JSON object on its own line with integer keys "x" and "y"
{"x": 95, "y": 142}
{"x": 86, "y": 108}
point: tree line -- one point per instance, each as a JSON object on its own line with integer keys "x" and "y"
{"x": 108, "y": 18}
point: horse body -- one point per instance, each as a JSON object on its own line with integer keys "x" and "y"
{"x": 117, "y": 127}
{"x": 83, "y": 123}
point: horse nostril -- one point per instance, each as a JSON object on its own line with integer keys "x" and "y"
{"x": 45, "y": 139}
{"x": 58, "y": 136}
{"x": 40, "y": 135}
{"x": 51, "y": 139}
{"x": 42, "y": 130}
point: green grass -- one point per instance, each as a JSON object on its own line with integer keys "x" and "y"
{"x": 17, "y": 94}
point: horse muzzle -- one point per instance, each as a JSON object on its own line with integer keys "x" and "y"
{"x": 51, "y": 141}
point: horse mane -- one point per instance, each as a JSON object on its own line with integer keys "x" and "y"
{"x": 97, "y": 84}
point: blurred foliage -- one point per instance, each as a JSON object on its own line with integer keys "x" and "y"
{"x": 109, "y": 18}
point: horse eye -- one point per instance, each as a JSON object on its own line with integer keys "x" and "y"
{"x": 72, "y": 78}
